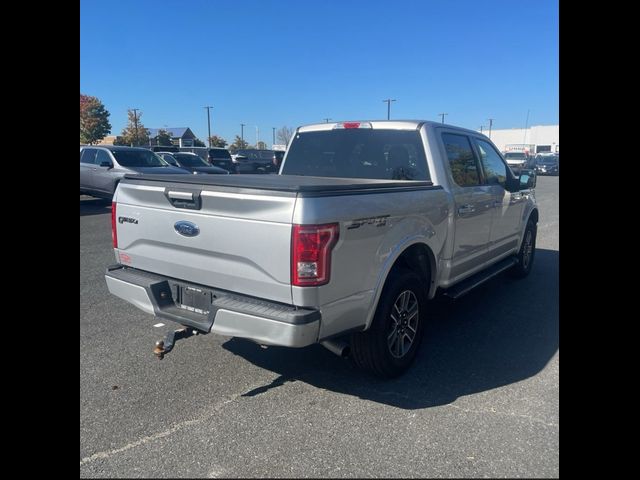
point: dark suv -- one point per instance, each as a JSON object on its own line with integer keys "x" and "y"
{"x": 547, "y": 164}
{"x": 220, "y": 157}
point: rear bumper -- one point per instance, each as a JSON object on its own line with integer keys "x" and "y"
{"x": 214, "y": 310}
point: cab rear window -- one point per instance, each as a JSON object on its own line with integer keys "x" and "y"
{"x": 358, "y": 153}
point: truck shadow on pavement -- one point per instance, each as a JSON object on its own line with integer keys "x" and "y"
{"x": 503, "y": 332}
{"x": 94, "y": 206}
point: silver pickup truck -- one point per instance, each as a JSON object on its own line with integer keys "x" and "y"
{"x": 364, "y": 224}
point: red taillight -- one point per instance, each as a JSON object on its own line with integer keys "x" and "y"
{"x": 351, "y": 124}
{"x": 114, "y": 232}
{"x": 311, "y": 247}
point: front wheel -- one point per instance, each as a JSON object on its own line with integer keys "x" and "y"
{"x": 390, "y": 345}
{"x": 527, "y": 252}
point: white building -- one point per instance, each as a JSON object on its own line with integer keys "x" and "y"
{"x": 545, "y": 138}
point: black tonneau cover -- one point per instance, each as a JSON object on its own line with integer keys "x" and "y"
{"x": 284, "y": 183}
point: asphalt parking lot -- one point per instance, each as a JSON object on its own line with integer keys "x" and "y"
{"x": 480, "y": 401}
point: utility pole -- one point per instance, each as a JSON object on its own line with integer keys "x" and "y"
{"x": 274, "y": 137}
{"x": 389, "y": 100}
{"x": 442, "y": 115}
{"x": 135, "y": 125}
{"x": 526, "y": 125}
{"x": 257, "y": 136}
{"x": 326, "y": 120}
{"x": 242, "y": 132}
{"x": 208, "y": 124}
{"x": 490, "y": 125}
{"x": 481, "y": 127}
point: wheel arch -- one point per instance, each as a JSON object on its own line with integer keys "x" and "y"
{"x": 414, "y": 255}
{"x": 532, "y": 215}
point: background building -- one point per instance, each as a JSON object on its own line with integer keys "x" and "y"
{"x": 108, "y": 140}
{"x": 543, "y": 138}
{"x": 180, "y": 136}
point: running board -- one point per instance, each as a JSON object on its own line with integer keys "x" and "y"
{"x": 473, "y": 281}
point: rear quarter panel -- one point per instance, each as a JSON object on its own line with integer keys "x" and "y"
{"x": 363, "y": 256}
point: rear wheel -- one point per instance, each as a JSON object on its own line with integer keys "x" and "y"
{"x": 390, "y": 345}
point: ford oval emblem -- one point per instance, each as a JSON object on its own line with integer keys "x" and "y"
{"x": 186, "y": 229}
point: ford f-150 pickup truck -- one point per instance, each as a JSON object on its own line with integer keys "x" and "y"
{"x": 365, "y": 222}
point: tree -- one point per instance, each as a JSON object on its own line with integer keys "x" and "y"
{"x": 94, "y": 120}
{"x": 284, "y": 135}
{"x": 261, "y": 145}
{"x": 163, "y": 138}
{"x": 217, "y": 141}
{"x": 198, "y": 143}
{"x": 238, "y": 144}
{"x": 135, "y": 133}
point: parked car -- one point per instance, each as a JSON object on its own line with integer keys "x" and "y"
{"x": 102, "y": 167}
{"x": 547, "y": 164}
{"x": 255, "y": 161}
{"x": 202, "y": 152}
{"x": 216, "y": 156}
{"x": 350, "y": 262}
{"x": 191, "y": 162}
{"x": 518, "y": 161}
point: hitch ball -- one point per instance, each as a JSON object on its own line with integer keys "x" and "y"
{"x": 158, "y": 350}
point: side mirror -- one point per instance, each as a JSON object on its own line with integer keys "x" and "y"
{"x": 105, "y": 163}
{"x": 527, "y": 179}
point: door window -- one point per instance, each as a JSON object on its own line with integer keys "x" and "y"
{"x": 88, "y": 155}
{"x": 102, "y": 156}
{"x": 495, "y": 171}
{"x": 464, "y": 167}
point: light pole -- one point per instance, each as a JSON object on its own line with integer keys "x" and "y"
{"x": 326, "y": 120}
{"x": 209, "y": 125}
{"x": 442, "y": 115}
{"x": 490, "y": 125}
{"x": 481, "y": 127}
{"x": 257, "y": 136}
{"x": 242, "y": 132}
{"x": 389, "y": 100}
{"x": 274, "y": 136}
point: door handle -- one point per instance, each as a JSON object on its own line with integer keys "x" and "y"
{"x": 466, "y": 209}
{"x": 95, "y": 168}
{"x": 497, "y": 203}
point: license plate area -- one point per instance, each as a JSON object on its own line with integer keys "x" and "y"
{"x": 194, "y": 299}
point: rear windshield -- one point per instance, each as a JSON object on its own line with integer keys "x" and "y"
{"x": 190, "y": 160}
{"x": 218, "y": 154}
{"x": 515, "y": 156}
{"x": 138, "y": 158}
{"x": 358, "y": 153}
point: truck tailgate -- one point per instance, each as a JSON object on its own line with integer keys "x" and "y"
{"x": 243, "y": 240}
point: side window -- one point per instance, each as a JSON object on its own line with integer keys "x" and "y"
{"x": 495, "y": 170}
{"x": 88, "y": 155}
{"x": 102, "y": 156}
{"x": 461, "y": 159}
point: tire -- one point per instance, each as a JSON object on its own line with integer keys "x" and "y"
{"x": 376, "y": 349}
{"x": 527, "y": 252}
